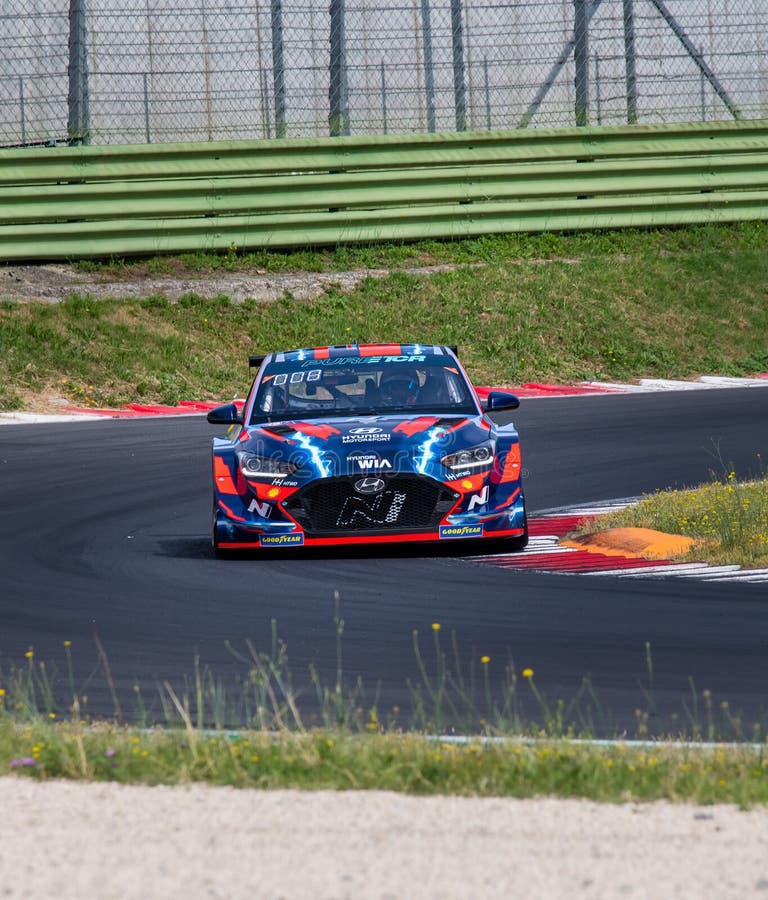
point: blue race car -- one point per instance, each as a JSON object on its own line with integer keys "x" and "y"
{"x": 365, "y": 444}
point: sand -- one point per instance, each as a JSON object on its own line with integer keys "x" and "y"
{"x": 69, "y": 840}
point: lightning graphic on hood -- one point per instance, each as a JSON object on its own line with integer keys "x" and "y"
{"x": 421, "y": 462}
{"x": 305, "y": 442}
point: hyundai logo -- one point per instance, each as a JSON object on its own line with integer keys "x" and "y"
{"x": 369, "y": 485}
{"x": 365, "y": 430}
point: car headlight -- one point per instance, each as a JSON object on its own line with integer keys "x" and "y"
{"x": 254, "y": 466}
{"x": 480, "y": 457}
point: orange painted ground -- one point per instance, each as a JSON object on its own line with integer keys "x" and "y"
{"x": 641, "y": 542}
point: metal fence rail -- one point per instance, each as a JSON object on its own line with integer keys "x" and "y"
{"x": 101, "y": 201}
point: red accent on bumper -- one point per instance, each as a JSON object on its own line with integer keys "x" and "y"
{"x": 379, "y": 539}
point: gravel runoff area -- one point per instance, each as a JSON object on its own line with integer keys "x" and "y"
{"x": 63, "y": 840}
{"x": 53, "y": 282}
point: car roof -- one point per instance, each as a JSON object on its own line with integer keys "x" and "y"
{"x": 382, "y": 350}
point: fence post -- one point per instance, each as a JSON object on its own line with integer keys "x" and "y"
{"x": 554, "y": 72}
{"x": 429, "y": 71}
{"x": 78, "y": 124}
{"x": 338, "y": 117}
{"x": 383, "y": 79}
{"x": 23, "y": 112}
{"x": 487, "y": 88}
{"x": 598, "y": 94}
{"x": 147, "y": 132}
{"x": 581, "y": 60}
{"x": 278, "y": 66}
{"x": 630, "y": 61}
{"x": 459, "y": 85}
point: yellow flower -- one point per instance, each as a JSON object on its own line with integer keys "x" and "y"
{"x": 435, "y": 626}
{"x": 254, "y": 758}
{"x": 67, "y": 643}
{"x": 30, "y": 653}
{"x": 2, "y": 692}
{"x": 527, "y": 673}
{"x": 485, "y": 660}
{"x": 51, "y": 715}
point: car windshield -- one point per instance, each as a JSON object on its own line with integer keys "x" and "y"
{"x": 344, "y": 386}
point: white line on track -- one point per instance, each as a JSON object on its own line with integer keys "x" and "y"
{"x": 653, "y": 571}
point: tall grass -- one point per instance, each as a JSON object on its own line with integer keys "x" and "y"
{"x": 346, "y": 743}
{"x": 728, "y": 517}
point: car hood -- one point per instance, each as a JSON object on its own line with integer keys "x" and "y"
{"x": 345, "y": 446}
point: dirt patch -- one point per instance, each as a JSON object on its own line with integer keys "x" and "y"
{"x": 645, "y": 543}
{"x": 54, "y": 282}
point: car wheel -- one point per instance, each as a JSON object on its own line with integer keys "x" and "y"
{"x": 222, "y": 554}
{"x": 511, "y": 545}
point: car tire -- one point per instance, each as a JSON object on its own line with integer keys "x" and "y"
{"x": 221, "y": 554}
{"x": 511, "y": 545}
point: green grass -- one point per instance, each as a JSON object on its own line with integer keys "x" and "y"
{"x": 489, "y": 249}
{"x": 729, "y": 518}
{"x": 617, "y": 305}
{"x": 411, "y": 764}
{"x": 292, "y": 732}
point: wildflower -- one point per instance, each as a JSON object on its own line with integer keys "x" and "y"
{"x": 2, "y": 692}
{"x": 51, "y": 715}
{"x": 485, "y": 660}
{"x": 110, "y": 753}
{"x": 435, "y": 626}
{"x": 67, "y": 643}
{"x": 29, "y": 654}
{"x": 527, "y": 673}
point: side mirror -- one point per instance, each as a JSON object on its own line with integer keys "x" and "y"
{"x": 498, "y": 400}
{"x": 225, "y": 415}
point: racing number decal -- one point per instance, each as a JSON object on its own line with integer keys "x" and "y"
{"x": 297, "y": 377}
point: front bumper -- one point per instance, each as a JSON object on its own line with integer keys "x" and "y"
{"x": 310, "y": 519}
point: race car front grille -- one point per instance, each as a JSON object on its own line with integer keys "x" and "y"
{"x": 332, "y": 506}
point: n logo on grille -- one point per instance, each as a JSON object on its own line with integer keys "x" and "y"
{"x": 380, "y": 510}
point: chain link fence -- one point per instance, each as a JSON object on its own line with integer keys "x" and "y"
{"x": 144, "y": 71}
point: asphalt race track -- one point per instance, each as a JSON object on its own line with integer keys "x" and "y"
{"x": 104, "y": 531}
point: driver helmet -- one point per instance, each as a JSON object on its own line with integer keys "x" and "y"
{"x": 399, "y": 386}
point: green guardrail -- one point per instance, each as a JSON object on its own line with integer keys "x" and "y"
{"x": 65, "y": 202}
